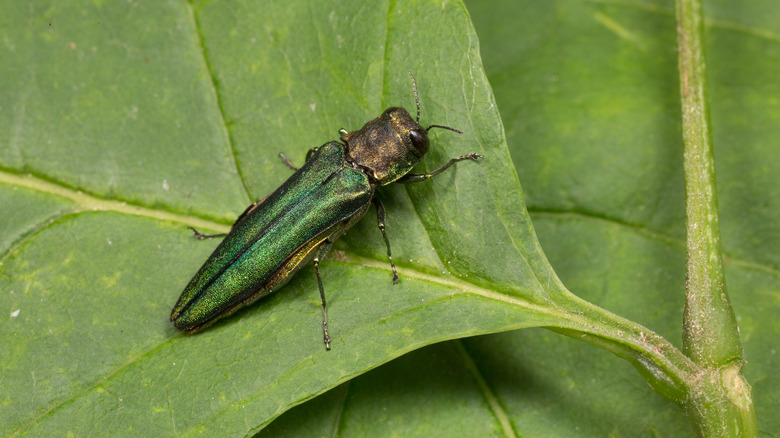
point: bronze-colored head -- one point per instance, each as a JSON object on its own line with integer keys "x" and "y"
{"x": 389, "y": 146}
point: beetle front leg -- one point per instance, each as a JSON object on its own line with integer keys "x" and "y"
{"x": 417, "y": 177}
{"x": 380, "y": 221}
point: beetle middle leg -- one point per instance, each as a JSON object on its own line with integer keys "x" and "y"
{"x": 320, "y": 254}
{"x": 380, "y": 221}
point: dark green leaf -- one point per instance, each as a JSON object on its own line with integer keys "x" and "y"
{"x": 128, "y": 121}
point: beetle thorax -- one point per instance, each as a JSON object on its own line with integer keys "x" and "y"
{"x": 383, "y": 147}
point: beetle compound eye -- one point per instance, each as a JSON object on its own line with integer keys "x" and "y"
{"x": 419, "y": 141}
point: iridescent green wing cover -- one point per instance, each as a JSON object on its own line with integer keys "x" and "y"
{"x": 320, "y": 199}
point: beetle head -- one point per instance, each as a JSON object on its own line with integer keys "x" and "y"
{"x": 389, "y": 146}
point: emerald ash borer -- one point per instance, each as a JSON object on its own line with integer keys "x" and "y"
{"x": 299, "y": 221}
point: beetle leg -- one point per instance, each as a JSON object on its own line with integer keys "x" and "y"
{"x": 417, "y": 177}
{"x": 246, "y": 212}
{"x": 286, "y": 161}
{"x": 380, "y": 221}
{"x": 320, "y": 254}
{"x": 200, "y": 236}
{"x": 310, "y": 153}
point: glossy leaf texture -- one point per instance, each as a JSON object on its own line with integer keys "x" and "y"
{"x": 127, "y": 121}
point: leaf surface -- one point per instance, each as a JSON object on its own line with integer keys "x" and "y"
{"x": 128, "y": 121}
{"x": 589, "y": 98}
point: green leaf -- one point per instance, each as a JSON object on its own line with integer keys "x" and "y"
{"x": 128, "y": 121}
{"x": 161, "y": 115}
{"x": 590, "y": 101}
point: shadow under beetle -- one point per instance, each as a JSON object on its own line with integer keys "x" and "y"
{"x": 300, "y": 221}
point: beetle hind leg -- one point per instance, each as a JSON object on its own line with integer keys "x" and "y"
{"x": 200, "y": 236}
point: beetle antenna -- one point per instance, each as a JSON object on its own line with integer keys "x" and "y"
{"x": 417, "y": 101}
{"x": 416, "y": 98}
{"x": 444, "y": 127}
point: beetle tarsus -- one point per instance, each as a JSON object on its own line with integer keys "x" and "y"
{"x": 287, "y": 162}
{"x": 325, "y": 335}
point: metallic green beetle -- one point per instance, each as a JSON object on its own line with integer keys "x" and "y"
{"x": 300, "y": 220}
